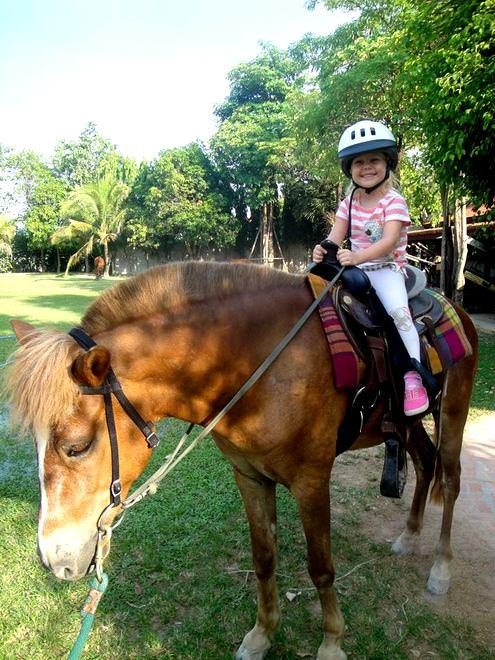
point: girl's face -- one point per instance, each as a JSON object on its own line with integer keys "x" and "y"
{"x": 369, "y": 169}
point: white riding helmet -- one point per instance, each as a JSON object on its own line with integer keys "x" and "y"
{"x": 365, "y": 136}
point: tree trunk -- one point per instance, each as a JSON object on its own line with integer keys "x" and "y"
{"x": 86, "y": 264}
{"x": 263, "y": 233}
{"x": 42, "y": 260}
{"x": 107, "y": 260}
{"x": 58, "y": 262}
{"x": 447, "y": 246}
{"x": 460, "y": 250}
{"x": 266, "y": 233}
{"x": 271, "y": 232}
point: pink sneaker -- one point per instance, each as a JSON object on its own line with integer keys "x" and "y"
{"x": 415, "y": 396}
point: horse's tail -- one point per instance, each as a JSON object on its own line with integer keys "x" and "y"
{"x": 436, "y": 492}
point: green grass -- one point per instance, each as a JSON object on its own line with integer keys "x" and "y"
{"x": 180, "y": 580}
{"x": 483, "y": 399}
{"x": 180, "y": 585}
{"x": 47, "y": 299}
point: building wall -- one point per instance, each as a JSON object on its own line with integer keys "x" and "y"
{"x": 132, "y": 261}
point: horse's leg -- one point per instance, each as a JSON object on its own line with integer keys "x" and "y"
{"x": 452, "y": 418}
{"x": 260, "y": 505}
{"x": 449, "y": 477}
{"x": 313, "y": 500}
{"x": 422, "y": 452}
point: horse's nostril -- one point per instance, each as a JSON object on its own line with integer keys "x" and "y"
{"x": 68, "y": 573}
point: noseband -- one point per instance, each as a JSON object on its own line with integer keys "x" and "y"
{"x": 111, "y": 386}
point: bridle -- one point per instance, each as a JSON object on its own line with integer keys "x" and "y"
{"x": 110, "y": 386}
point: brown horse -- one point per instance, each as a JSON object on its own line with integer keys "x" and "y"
{"x": 182, "y": 339}
{"x": 98, "y": 267}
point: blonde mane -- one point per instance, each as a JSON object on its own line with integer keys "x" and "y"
{"x": 38, "y": 383}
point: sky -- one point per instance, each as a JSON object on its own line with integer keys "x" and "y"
{"x": 147, "y": 72}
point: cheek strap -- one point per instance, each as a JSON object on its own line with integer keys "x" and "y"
{"x": 111, "y": 386}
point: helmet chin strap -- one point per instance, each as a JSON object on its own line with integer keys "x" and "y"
{"x": 370, "y": 190}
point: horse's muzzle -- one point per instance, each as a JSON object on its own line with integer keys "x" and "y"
{"x": 68, "y": 561}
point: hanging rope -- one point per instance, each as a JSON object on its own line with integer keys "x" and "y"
{"x": 88, "y": 611}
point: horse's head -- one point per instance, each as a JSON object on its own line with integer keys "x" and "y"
{"x": 72, "y": 442}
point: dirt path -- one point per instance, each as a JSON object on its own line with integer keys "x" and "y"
{"x": 472, "y": 593}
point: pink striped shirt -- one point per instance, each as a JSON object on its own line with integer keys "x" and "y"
{"x": 367, "y": 226}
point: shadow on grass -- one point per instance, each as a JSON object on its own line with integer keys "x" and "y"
{"x": 67, "y": 302}
{"x": 89, "y": 283}
{"x": 77, "y": 304}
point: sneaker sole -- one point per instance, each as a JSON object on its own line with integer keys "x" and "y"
{"x": 417, "y": 411}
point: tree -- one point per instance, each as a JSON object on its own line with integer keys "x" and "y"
{"x": 251, "y": 144}
{"x": 266, "y": 79}
{"x": 179, "y": 197}
{"x": 43, "y": 214}
{"x": 115, "y": 165}
{"x": 95, "y": 213}
{"x": 83, "y": 161}
{"x": 418, "y": 180}
{"x": 41, "y": 194}
{"x": 427, "y": 68}
{"x": 449, "y": 79}
{"x": 6, "y": 237}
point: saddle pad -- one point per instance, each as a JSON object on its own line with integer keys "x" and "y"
{"x": 450, "y": 339}
{"x": 345, "y": 362}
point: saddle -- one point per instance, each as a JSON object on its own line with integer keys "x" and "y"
{"x": 356, "y": 315}
{"x": 376, "y": 340}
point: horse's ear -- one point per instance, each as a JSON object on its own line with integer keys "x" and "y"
{"x": 92, "y": 367}
{"x": 23, "y": 331}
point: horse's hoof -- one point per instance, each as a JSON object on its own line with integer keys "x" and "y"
{"x": 437, "y": 586}
{"x": 243, "y": 653}
{"x": 334, "y": 653}
{"x": 404, "y": 545}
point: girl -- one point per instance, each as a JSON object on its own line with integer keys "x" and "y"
{"x": 379, "y": 219}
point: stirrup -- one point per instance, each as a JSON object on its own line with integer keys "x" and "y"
{"x": 394, "y": 472}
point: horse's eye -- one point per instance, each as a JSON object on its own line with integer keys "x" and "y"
{"x": 80, "y": 448}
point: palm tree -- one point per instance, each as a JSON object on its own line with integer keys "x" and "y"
{"x": 94, "y": 213}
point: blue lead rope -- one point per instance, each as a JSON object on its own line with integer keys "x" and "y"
{"x": 96, "y": 591}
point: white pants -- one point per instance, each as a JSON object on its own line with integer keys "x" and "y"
{"x": 390, "y": 287}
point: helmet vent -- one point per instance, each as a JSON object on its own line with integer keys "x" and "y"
{"x": 372, "y": 130}
{"x": 363, "y": 132}
{"x": 353, "y": 135}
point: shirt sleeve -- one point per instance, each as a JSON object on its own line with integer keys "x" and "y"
{"x": 343, "y": 210}
{"x": 396, "y": 209}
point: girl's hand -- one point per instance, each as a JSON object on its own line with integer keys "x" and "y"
{"x": 347, "y": 258}
{"x": 318, "y": 253}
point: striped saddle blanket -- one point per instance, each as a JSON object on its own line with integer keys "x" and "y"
{"x": 441, "y": 347}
